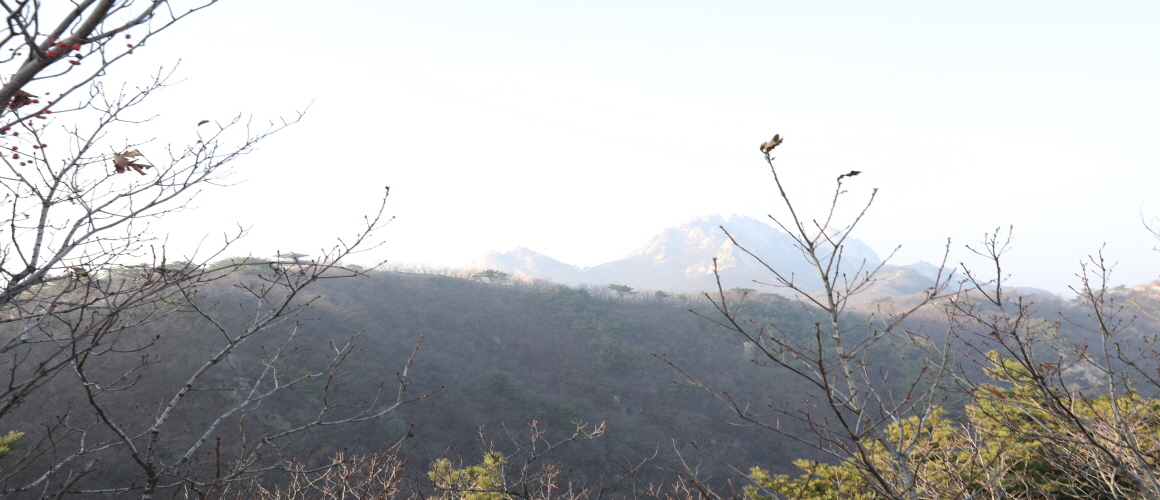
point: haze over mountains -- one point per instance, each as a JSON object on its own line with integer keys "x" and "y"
{"x": 680, "y": 259}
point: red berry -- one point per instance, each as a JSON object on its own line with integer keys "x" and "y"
{"x": 130, "y": 51}
{"x": 74, "y": 62}
{"x": 15, "y": 157}
{"x": 14, "y": 148}
{"x": 42, "y": 117}
{"x": 35, "y": 146}
{"x": 129, "y": 45}
{"x": 5, "y": 129}
{"x": 49, "y": 54}
{"x": 62, "y": 44}
{"x": 76, "y": 46}
{"x": 44, "y": 145}
{"x": 16, "y": 133}
{"x": 17, "y": 53}
{"x": 35, "y": 101}
{"x": 127, "y": 35}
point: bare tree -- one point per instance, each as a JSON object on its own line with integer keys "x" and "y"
{"x": 375, "y": 476}
{"x": 527, "y": 471}
{"x": 79, "y": 313}
{"x": 853, "y": 400}
{"x": 68, "y": 218}
{"x": 1080, "y": 407}
{"x": 491, "y": 276}
{"x": 1043, "y": 414}
{"x": 622, "y": 290}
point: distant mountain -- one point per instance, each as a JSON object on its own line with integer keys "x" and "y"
{"x": 894, "y": 282}
{"x": 680, "y": 259}
{"x": 523, "y": 262}
{"x": 926, "y": 269}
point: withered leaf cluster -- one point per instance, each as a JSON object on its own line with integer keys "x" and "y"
{"x": 21, "y": 99}
{"x": 122, "y": 163}
{"x": 766, "y": 147}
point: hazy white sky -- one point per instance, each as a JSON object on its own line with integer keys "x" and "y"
{"x": 580, "y": 129}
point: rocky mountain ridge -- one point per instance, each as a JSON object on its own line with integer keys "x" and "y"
{"x": 680, "y": 259}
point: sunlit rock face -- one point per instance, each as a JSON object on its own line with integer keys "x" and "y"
{"x": 525, "y": 263}
{"x": 680, "y": 259}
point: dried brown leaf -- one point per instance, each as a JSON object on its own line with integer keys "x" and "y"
{"x": 766, "y": 147}
{"x": 121, "y": 163}
{"x": 21, "y": 99}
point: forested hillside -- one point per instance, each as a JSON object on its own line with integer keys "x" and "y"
{"x": 494, "y": 359}
{"x": 500, "y": 356}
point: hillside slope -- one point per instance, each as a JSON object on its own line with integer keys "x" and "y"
{"x": 504, "y": 356}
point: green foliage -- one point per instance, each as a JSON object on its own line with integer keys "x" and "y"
{"x": 560, "y": 298}
{"x": 773, "y": 309}
{"x": 613, "y": 354}
{"x": 501, "y": 384}
{"x": 940, "y": 448}
{"x": 1032, "y": 446}
{"x": 1046, "y": 437}
{"x": 615, "y": 324}
{"x": 245, "y": 265}
{"x": 9, "y": 442}
{"x": 490, "y": 276}
{"x": 555, "y": 412}
{"x": 622, "y": 290}
{"x": 475, "y": 482}
{"x": 616, "y": 356}
{"x": 821, "y": 482}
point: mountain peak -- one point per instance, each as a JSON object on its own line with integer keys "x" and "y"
{"x": 680, "y": 259}
{"x": 524, "y": 262}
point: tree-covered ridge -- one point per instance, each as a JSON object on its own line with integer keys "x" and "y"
{"x": 504, "y": 355}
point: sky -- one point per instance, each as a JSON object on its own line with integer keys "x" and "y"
{"x": 581, "y": 129}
